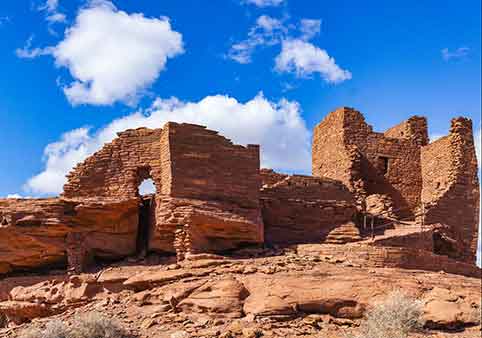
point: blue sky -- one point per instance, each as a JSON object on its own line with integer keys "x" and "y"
{"x": 261, "y": 71}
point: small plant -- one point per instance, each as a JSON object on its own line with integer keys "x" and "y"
{"x": 395, "y": 317}
{"x": 53, "y": 329}
{"x": 94, "y": 325}
{"x": 91, "y": 325}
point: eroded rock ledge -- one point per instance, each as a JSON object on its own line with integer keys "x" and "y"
{"x": 204, "y": 296}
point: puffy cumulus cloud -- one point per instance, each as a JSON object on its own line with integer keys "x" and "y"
{"x": 277, "y": 126}
{"x": 303, "y": 58}
{"x": 264, "y": 3}
{"x": 60, "y": 157}
{"x": 111, "y": 55}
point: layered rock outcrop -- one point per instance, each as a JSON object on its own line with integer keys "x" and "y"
{"x": 57, "y": 232}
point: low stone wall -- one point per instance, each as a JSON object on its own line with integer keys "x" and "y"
{"x": 390, "y": 257}
{"x": 303, "y": 209}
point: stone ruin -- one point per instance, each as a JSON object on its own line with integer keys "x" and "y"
{"x": 387, "y": 199}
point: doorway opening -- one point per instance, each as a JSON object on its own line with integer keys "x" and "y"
{"x": 146, "y": 191}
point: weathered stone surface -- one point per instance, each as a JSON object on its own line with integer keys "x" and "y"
{"x": 451, "y": 191}
{"x": 400, "y": 164}
{"x": 305, "y": 294}
{"x": 303, "y": 209}
{"x": 36, "y": 231}
{"x": 223, "y": 297}
{"x": 207, "y": 187}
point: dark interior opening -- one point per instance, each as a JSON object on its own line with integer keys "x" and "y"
{"x": 383, "y": 164}
{"x": 443, "y": 245}
{"x": 142, "y": 244}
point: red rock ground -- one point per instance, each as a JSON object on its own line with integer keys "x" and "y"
{"x": 273, "y": 293}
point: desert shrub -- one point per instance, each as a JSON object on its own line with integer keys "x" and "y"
{"x": 53, "y": 329}
{"x": 91, "y": 325}
{"x": 395, "y": 317}
{"x": 94, "y": 325}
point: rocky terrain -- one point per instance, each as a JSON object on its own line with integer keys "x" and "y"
{"x": 252, "y": 293}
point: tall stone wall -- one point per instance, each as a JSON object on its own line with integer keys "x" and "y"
{"x": 332, "y": 157}
{"x": 451, "y": 191}
{"x": 205, "y": 165}
{"x": 346, "y": 148}
{"x": 207, "y": 188}
{"x": 303, "y": 209}
{"x": 119, "y": 167}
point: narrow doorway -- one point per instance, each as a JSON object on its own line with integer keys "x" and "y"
{"x": 146, "y": 216}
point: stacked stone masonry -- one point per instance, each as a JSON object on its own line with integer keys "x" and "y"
{"x": 212, "y": 197}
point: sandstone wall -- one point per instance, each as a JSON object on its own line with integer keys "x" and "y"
{"x": 207, "y": 166}
{"x": 333, "y": 158}
{"x": 414, "y": 129}
{"x": 303, "y": 209}
{"x": 451, "y": 190}
{"x": 120, "y": 166}
{"x": 346, "y": 148}
{"x": 390, "y": 257}
{"x": 190, "y": 166}
{"x": 34, "y": 233}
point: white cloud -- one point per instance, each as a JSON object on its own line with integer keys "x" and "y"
{"x": 112, "y": 55}
{"x": 56, "y": 17}
{"x": 458, "y": 53}
{"x": 52, "y": 13}
{"x": 147, "y": 187}
{"x": 277, "y": 126}
{"x": 27, "y": 52}
{"x": 267, "y": 31}
{"x": 297, "y": 55}
{"x": 303, "y": 58}
{"x": 59, "y": 159}
{"x": 309, "y": 28}
{"x": 50, "y": 6}
{"x": 264, "y": 3}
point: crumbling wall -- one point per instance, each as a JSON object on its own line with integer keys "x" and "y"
{"x": 188, "y": 226}
{"x": 414, "y": 129}
{"x": 189, "y": 165}
{"x": 451, "y": 191}
{"x": 346, "y": 148}
{"x": 207, "y": 166}
{"x": 334, "y": 158}
{"x": 304, "y": 209}
{"x": 210, "y": 193}
{"x": 119, "y": 167}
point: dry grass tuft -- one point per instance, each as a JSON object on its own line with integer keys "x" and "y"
{"x": 395, "y": 317}
{"x": 91, "y": 325}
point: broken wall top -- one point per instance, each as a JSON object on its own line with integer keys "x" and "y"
{"x": 184, "y": 160}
